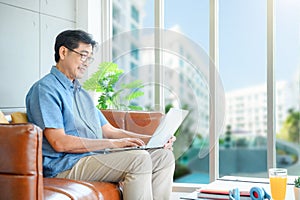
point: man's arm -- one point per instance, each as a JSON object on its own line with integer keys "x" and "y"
{"x": 110, "y": 131}
{"x": 62, "y": 142}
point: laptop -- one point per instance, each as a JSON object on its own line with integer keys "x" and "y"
{"x": 165, "y": 130}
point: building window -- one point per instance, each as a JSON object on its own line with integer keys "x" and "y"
{"x": 135, "y": 52}
{"x": 133, "y": 70}
{"x": 135, "y": 32}
{"x": 135, "y": 14}
{"x": 116, "y": 14}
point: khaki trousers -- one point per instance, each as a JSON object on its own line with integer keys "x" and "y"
{"x": 146, "y": 174}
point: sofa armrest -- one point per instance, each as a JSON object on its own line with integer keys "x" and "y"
{"x": 21, "y": 175}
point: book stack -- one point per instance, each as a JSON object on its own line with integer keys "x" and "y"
{"x": 220, "y": 194}
{"x": 220, "y": 190}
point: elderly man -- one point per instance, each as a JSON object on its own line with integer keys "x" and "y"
{"x": 74, "y": 129}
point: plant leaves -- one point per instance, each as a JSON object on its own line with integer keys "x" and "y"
{"x": 133, "y": 85}
{"x": 132, "y": 107}
{"x": 104, "y": 80}
{"x": 134, "y": 95}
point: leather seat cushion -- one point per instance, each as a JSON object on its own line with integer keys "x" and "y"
{"x": 59, "y": 188}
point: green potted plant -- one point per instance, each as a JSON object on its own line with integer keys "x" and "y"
{"x": 297, "y": 188}
{"x": 104, "y": 81}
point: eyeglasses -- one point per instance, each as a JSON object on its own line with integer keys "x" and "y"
{"x": 84, "y": 57}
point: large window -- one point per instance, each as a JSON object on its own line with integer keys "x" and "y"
{"x": 241, "y": 63}
{"x": 287, "y": 73}
{"x": 129, "y": 46}
{"x": 184, "y": 62}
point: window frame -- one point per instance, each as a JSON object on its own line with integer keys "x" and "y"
{"x": 214, "y": 56}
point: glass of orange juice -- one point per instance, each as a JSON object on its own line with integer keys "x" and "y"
{"x": 278, "y": 179}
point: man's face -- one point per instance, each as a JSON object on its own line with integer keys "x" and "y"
{"x": 74, "y": 62}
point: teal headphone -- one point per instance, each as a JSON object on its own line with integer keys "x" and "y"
{"x": 259, "y": 193}
{"x": 256, "y": 193}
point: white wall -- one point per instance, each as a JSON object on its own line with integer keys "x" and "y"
{"x": 28, "y": 30}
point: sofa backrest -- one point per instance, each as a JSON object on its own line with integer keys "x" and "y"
{"x": 21, "y": 175}
{"x": 143, "y": 122}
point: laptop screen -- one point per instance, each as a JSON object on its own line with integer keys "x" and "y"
{"x": 167, "y": 127}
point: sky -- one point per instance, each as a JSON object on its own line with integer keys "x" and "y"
{"x": 242, "y": 36}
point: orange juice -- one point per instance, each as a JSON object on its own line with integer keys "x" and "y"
{"x": 278, "y": 187}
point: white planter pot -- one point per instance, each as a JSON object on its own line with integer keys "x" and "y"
{"x": 297, "y": 193}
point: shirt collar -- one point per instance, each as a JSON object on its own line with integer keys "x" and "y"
{"x": 63, "y": 79}
{"x": 77, "y": 85}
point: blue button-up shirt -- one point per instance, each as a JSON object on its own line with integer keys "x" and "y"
{"x": 55, "y": 102}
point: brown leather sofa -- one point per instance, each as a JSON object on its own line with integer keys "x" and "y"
{"x": 21, "y": 175}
